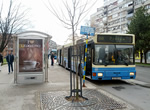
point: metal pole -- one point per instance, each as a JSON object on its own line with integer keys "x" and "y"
{"x": 80, "y": 73}
{"x": 47, "y": 54}
{"x": 73, "y": 69}
{"x": 70, "y": 72}
{"x": 15, "y": 59}
{"x": 76, "y": 65}
{"x": 46, "y": 60}
{"x": 85, "y": 61}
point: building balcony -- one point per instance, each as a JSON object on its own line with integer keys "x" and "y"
{"x": 104, "y": 19}
{"x": 129, "y": 16}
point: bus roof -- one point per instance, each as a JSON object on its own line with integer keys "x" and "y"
{"x": 94, "y": 38}
{"x": 114, "y": 34}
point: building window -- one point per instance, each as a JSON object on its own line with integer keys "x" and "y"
{"x": 109, "y": 17}
{"x": 130, "y": 11}
{"x": 109, "y": 11}
{"x": 125, "y": 5}
{"x": 122, "y": 13}
{"x": 123, "y": 19}
{"x": 115, "y": 15}
{"x": 119, "y": 1}
{"x": 147, "y": 6}
{"x": 130, "y": 3}
{"x": 123, "y": 26}
{"x": 137, "y": 2}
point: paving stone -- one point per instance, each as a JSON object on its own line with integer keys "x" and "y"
{"x": 97, "y": 100}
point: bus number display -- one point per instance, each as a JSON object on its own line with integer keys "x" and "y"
{"x": 114, "y": 39}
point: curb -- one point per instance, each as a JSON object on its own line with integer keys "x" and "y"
{"x": 142, "y": 66}
{"x": 140, "y": 83}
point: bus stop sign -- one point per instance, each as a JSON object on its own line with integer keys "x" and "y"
{"x": 87, "y": 30}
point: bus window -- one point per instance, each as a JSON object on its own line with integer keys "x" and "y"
{"x": 113, "y": 55}
{"x": 101, "y": 54}
{"x": 126, "y": 54}
{"x": 55, "y": 53}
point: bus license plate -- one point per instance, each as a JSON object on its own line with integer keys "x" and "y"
{"x": 113, "y": 78}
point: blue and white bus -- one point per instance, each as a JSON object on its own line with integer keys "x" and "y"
{"x": 110, "y": 56}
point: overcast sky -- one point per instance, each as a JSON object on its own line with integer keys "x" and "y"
{"x": 42, "y": 20}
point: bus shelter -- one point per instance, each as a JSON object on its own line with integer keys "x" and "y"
{"x": 31, "y": 57}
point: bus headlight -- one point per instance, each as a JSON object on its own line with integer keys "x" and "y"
{"x": 100, "y": 74}
{"x": 131, "y": 73}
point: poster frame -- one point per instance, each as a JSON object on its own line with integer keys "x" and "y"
{"x": 43, "y": 45}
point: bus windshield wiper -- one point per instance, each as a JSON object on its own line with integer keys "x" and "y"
{"x": 126, "y": 63}
{"x": 106, "y": 63}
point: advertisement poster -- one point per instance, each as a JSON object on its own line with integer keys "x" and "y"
{"x": 30, "y": 55}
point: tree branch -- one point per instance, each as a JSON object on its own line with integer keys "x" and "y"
{"x": 11, "y": 23}
{"x": 53, "y": 11}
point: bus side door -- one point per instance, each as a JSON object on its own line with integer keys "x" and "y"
{"x": 89, "y": 60}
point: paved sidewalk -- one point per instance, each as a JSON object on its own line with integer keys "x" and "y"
{"x": 30, "y": 97}
{"x": 24, "y": 97}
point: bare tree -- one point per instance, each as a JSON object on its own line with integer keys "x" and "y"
{"x": 87, "y": 22}
{"x": 11, "y": 21}
{"x": 71, "y": 15}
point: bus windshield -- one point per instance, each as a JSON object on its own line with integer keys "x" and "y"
{"x": 113, "y": 55}
{"x": 54, "y": 51}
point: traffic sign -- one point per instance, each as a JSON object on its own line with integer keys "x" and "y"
{"x": 85, "y": 30}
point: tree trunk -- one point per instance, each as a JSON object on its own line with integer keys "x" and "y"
{"x": 141, "y": 54}
{"x": 75, "y": 62}
{"x": 145, "y": 57}
{"x": 76, "y": 65}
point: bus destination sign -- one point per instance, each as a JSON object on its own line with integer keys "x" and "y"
{"x": 114, "y": 38}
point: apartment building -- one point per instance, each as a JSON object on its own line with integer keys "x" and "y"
{"x": 114, "y": 16}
